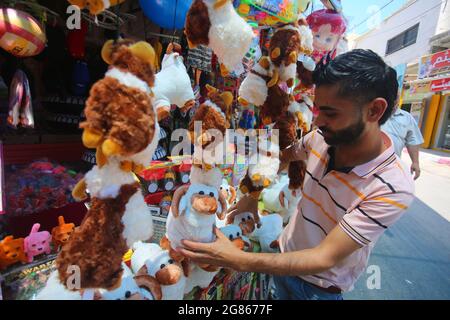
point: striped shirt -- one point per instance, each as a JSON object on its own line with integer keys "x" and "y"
{"x": 363, "y": 201}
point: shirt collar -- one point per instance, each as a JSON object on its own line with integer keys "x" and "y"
{"x": 387, "y": 157}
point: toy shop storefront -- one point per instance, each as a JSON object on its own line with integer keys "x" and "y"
{"x": 91, "y": 98}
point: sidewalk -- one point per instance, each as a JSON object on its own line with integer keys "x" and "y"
{"x": 433, "y": 185}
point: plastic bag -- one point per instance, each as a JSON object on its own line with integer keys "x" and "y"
{"x": 270, "y": 12}
{"x": 20, "y": 105}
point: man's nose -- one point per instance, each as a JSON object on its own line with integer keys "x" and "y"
{"x": 318, "y": 122}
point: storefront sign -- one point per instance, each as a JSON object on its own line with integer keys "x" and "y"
{"x": 440, "y": 85}
{"x": 434, "y": 64}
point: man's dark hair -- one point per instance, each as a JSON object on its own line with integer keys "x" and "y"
{"x": 361, "y": 75}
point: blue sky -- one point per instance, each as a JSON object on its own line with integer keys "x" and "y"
{"x": 356, "y": 11}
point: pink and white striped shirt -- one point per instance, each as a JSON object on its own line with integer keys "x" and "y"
{"x": 364, "y": 201}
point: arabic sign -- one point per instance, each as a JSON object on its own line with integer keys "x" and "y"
{"x": 440, "y": 85}
{"x": 434, "y": 64}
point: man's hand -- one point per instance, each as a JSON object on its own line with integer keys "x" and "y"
{"x": 221, "y": 253}
{"x": 415, "y": 170}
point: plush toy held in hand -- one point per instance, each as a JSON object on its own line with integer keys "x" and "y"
{"x": 193, "y": 213}
{"x": 216, "y": 24}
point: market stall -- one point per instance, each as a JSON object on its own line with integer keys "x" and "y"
{"x": 100, "y": 144}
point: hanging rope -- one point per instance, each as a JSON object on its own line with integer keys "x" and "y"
{"x": 175, "y": 20}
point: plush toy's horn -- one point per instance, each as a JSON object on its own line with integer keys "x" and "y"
{"x": 211, "y": 89}
{"x": 176, "y": 200}
{"x": 227, "y": 98}
{"x": 107, "y": 51}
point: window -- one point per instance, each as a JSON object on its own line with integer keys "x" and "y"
{"x": 403, "y": 40}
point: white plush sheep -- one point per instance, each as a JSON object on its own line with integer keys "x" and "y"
{"x": 150, "y": 259}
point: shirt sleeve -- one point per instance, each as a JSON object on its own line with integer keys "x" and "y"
{"x": 414, "y": 136}
{"x": 368, "y": 221}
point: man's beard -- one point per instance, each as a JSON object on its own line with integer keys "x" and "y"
{"x": 346, "y": 136}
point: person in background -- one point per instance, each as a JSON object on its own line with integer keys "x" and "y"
{"x": 404, "y": 131}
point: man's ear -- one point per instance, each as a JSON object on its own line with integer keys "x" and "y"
{"x": 376, "y": 109}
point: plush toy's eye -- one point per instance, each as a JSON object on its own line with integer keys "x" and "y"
{"x": 162, "y": 266}
{"x": 6, "y": 252}
{"x": 211, "y": 194}
{"x": 171, "y": 261}
{"x": 33, "y": 245}
{"x": 201, "y": 193}
{"x": 238, "y": 234}
{"x": 243, "y": 219}
{"x": 221, "y": 188}
{"x": 43, "y": 242}
{"x": 249, "y": 218}
{"x": 230, "y": 237}
{"x": 127, "y": 294}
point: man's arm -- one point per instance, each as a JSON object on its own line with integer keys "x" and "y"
{"x": 413, "y": 152}
{"x": 333, "y": 249}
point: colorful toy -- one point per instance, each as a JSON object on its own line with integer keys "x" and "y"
{"x": 95, "y": 7}
{"x": 172, "y": 84}
{"x": 20, "y": 34}
{"x": 193, "y": 211}
{"x": 151, "y": 260}
{"x": 270, "y": 12}
{"x": 328, "y": 27}
{"x": 11, "y": 252}
{"x": 255, "y": 87}
{"x": 269, "y": 231}
{"x": 234, "y": 234}
{"x": 216, "y": 24}
{"x": 37, "y": 242}
{"x": 121, "y": 124}
{"x": 61, "y": 234}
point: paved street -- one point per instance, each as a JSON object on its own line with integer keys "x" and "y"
{"x": 414, "y": 255}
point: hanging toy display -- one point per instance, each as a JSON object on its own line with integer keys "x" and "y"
{"x": 20, "y": 34}
{"x": 121, "y": 124}
{"x": 270, "y": 12}
{"x": 328, "y": 28}
{"x": 95, "y": 7}
{"x": 20, "y": 105}
{"x": 216, "y": 24}
{"x": 335, "y": 5}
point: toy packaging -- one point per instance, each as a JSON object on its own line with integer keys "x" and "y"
{"x": 268, "y": 12}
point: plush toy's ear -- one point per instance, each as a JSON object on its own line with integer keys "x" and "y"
{"x": 79, "y": 3}
{"x": 176, "y": 200}
{"x": 107, "y": 51}
{"x": 211, "y": 89}
{"x": 169, "y": 49}
{"x": 227, "y": 98}
{"x": 144, "y": 51}
{"x": 150, "y": 284}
